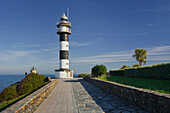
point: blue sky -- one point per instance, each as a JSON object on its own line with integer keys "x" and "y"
{"x": 103, "y": 32}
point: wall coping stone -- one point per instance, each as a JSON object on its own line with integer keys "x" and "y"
{"x": 32, "y": 101}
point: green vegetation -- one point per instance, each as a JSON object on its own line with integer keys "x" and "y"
{"x": 8, "y": 93}
{"x": 84, "y": 75}
{"x": 162, "y": 86}
{"x": 119, "y": 72}
{"x": 140, "y": 55}
{"x": 135, "y": 65}
{"x": 124, "y": 67}
{"x": 21, "y": 89}
{"x": 98, "y": 70}
{"x": 10, "y": 102}
{"x": 30, "y": 83}
{"x": 158, "y": 71}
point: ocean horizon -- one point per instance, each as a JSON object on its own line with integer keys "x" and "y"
{"x": 9, "y": 79}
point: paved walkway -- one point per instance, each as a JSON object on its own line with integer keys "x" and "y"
{"x": 79, "y": 96}
{"x": 59, "y": 100}
{"x": 108, "y": 102}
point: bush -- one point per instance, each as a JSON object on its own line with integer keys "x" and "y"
{"x": 124, "y": 67}
{"x": 158, "y": 71}
{"x": 83, "y": 75}
{"x": 8, "y": 93}
{"x": 98, "y": 70}
{"x": 116, "y": 72}
{"x": 104, "y": 76}
{"x": 30, "y": 83}
{"x": 135, "y": 65}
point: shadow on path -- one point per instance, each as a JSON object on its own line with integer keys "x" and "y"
{"x": 108, "y": 102}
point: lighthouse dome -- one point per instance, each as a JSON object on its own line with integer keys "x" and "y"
{"x": 64, "y": 18}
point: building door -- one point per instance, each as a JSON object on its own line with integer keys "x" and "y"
{"x": 71, "y": 74}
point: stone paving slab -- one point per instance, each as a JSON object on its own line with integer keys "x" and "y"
{"x": 59, "y": 100}
{"x": 79, "y": 96}
{"x": 83, "y": 101}
{"x": 108, "y": 102}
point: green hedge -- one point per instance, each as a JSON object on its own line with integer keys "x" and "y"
{"x": 158, "y": 71}
{"x": 116, "y": 72}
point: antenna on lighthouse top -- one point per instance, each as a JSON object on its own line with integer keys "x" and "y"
{"x": 67, "y": 12}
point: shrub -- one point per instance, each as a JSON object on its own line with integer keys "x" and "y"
{"x": 124, "y": 67}
{"x": 8, "y": 93}
{"x": 30, "y": 83}
{"x": 135, "y": 65}
{"x": 82, "y": 75}
{"x": 103, "y": 76}
{"x": 119, "y": 72}
{"x": 98, "y": 70}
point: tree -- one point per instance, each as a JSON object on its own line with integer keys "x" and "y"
{"x": 98, "y": 70}
{"x": 124, "y": 66}
{"x": 140, "y": 55}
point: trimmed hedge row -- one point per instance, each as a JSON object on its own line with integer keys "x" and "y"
{"x": 158, "y": 71}
{"x": 116, "y": 72}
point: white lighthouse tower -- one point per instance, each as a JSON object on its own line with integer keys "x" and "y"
{"x": 64, "y": 31}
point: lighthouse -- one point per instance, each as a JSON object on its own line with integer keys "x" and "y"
{"x": 63, "y": 30}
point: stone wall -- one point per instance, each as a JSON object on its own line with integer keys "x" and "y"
{"x": 32, "y": 101}
{"x": 150, "y": 101}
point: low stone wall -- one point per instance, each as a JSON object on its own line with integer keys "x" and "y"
{"x": 30, "y": 103}
{"x": 150, "y": 101}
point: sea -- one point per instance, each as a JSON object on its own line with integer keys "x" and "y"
{"x": 7, "y": 80}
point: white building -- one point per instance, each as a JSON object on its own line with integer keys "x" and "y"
{"x": 64, "y": 31}
{"x": 33, "y": 70}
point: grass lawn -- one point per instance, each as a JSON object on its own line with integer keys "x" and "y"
{"x": 162, "y": 86}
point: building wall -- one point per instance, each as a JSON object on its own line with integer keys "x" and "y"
{"x": 64, "y": 45}
{"x": 64, "y": 64}
{"x": 64, "y": 74}
{"x": 64, "y": 28}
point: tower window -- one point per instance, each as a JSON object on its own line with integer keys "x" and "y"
{"x": 62, "y": 19}
{"x": 66, "y": 45}
{"x": 66, "y": 63}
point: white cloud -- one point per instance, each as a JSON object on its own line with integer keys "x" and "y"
{"x": 154, "y": 54}
{"x": 150, "y": 24}
{"x": 79, "y": 44}
{"x": 159, "y": 49}
{"x": 25, "y": 45}
{"x": 12, "y": 55}
{"x": 74, "y": 43}
{"x": 50, "y": 49}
